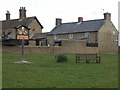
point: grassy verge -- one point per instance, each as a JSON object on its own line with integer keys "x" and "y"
{"x": 44, "y": 72}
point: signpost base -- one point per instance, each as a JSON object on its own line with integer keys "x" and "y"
{"x": 22, "y": 62}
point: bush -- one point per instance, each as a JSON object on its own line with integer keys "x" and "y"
{"x": 61, "y": 58}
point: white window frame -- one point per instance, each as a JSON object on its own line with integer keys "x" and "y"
{"x": 55, "y": 37}
{"x": 87, "y": 34}
{"x": 70, "y": 36}
{"x": 114, "y": 33}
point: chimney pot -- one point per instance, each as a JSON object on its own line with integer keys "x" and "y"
{"x": 80, "y": 19}
{"x": 58, "y": 21}
{"x": 22, "y": 12}
{"x": 8, "y": 15}
{"x": 107, "y": 16}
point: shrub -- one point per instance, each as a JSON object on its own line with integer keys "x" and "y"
{"x": 61, "y": 58}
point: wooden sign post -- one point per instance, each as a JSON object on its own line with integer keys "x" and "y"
{"x": 22, "y": 34}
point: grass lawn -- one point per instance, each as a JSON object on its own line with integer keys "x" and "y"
{"x": 45, "y": 72}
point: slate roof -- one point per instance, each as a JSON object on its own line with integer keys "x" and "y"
{"x": 76, "y": 27}
{"x": 39, "y": 35}
{"x": 10, "y": 24}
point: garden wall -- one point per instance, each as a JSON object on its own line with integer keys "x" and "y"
{"x": 51, "y": 49}
{"x": 68, "y": 46}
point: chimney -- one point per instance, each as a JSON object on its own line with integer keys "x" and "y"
{"x": 80, "y": 19}
{"x": 8, "y": 15}
{"x": 22, "y": 13}
{"x": 58, "y": 21}
{"x": 107, "y": 16}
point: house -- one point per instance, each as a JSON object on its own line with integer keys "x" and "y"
{"x": 39, "y": 39}
{"x": 9, "y": 25}
{"x": 100, "y": 33}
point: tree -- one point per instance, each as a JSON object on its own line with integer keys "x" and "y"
{"x": 5, "y": 35}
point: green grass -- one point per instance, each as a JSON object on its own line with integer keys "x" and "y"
{"x": 45, "y": 72}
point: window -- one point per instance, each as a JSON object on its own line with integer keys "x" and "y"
{"x": 55, "y": 37}
{"x": 114, "y": 33}
{"x": 87, "y": 34}
{"x": 33, "y": 29}
{"x": 70, "y": 36}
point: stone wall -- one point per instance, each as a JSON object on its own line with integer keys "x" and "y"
{"x": 34, "y": 28}
{"x": 45, "y": 49}
{"x": 92, "y": 37}
{"x": 68, "y": 46}
{"x": 107, "y": 42}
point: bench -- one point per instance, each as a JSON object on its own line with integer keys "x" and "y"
{"x": 87, "y": 58}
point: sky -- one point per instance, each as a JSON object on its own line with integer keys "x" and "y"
{"x": 47, "y": 11}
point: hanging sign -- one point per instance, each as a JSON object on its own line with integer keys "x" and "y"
{"x": 22, "y": 37}
{"x": 22, "y": 33}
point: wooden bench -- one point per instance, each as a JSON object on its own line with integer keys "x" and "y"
{"x": 87, "y": 58}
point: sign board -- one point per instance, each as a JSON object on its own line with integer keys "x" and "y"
{"x": 22, "y": 37}
{"x": 22, "y": 33}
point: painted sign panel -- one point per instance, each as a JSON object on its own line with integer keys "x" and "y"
{"x": 22, "y": 33}
{"x": 22, "y": 37}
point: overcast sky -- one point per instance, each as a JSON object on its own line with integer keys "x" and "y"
{"x": 69, "y": 10}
